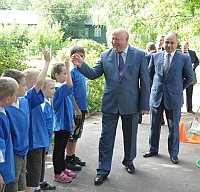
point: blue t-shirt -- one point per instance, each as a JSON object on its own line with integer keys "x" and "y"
{"x": 79, "y": 89}
{"x": 38, "y": 134}
{"x": 38, "y": 137}
{"x": 19, "y": 117}
{"x": 48, "y": 116}
{"x": 7, "y": 168}
{"x": 63, "y": 108}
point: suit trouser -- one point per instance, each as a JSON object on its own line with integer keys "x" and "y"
{"x": 173, "y": 119}
{"x": 140, "y": 119}
{"x": 189, "y": 93}
{"x": 107, "y": 139}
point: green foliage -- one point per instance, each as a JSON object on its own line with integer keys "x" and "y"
{"x": 14, "y": 4}
{"x": 15, "y": 35}
{"x": 144, "y": 19}
{"x": 30, "y": 40}
{"x": 10, "y": 58}
{"x": 70, "y": 15}
{"x": 41, "y": 35}
{"x": 94, "y": 93}
{"x": 92, "y": 52}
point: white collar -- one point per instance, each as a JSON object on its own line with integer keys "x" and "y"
{"x": 47, "y": 101}
{"x": 16, "y": 104}
{"x": 2, "y": 110}
{"x": 126, "y": 49}
{"x": 172, "y": 54}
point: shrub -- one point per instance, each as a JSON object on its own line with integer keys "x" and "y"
{"x": 10, "y": 58}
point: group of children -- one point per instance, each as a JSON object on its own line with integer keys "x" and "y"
{"x": 32, "y": 107}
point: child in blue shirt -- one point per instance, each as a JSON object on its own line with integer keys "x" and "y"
{"x": 48, "y": 90}
{"x": 63, "y": 118}
{"x": 8, "y": 94}
{"x": 80, "y": 105}
{"x": 19, "y": 117}
{"x": 38, "y": 137}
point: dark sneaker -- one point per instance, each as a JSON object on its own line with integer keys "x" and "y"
{"x": 71, "y": 164}
{"x": 79, "y": 161}
{"x": 37, "y": 189}
{"x": 47, "y": 186}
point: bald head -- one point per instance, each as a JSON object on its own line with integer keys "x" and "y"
{"x": 120, "y": 39}
{"x": 122, "y": 31}
{"x": 170, "y": 42}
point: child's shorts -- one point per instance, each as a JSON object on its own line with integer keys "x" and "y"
{"x": 19, "y": 183}
{"x": 77, "y": 133}
{"x": 35, "y": 167}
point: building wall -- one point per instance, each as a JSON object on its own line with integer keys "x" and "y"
{"x": 91, "y": 34}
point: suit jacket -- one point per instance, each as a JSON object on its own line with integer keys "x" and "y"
{"x": 127, "y": 94}
{"x": 178, "y": 77}
{"x": 149, "y": 56}
{"x": 194, "y": 58}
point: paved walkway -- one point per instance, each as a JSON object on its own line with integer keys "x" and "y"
{"x": 155, "y": 174}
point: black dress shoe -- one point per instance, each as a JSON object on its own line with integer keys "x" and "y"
{"x": 99, "y": 179}
{"x": 174, "y": 159}
{"x": 130, "y": 168}
{"x": 149, "y": 154}
{"x": 191, "y": 112}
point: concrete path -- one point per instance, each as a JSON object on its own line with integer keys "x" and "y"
{"x": 155, "y": 174}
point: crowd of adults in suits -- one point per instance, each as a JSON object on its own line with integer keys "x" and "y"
{"x": 127, "y": 94}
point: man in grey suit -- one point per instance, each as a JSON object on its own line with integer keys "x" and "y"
{"x": 171, "y": 72}
{"x": 126, "y": 92}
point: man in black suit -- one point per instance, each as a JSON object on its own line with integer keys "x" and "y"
{"x": 195, "y": 63}
{"x": 150, "y": 49}
{"x": 159, "y": 47}
{"x": 159, "y": 43}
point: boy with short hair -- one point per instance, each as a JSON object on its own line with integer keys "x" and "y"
{"x": 48, "y": 90}
{"x": 38, "y": 137}
{"x": 80, "y": 105}
{"x": 19, "y": 116}
{"x": 8, "y": 93}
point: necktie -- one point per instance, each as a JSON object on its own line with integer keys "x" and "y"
{"x": 121, "y": 64}
{"x": 166, "y": 64}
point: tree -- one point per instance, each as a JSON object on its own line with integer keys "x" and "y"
{"x": 71, "y": 15}
{"x": 10, "y": 58}
{"x": 15, "y": 4}
{"x": 144, "y": 19}
{"x": 41, "y": 35}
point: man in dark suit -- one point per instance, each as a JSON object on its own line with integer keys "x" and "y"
{"x": 171, "y": 72}
{"x": 126, "y": 92}
{"x": 159, "y": 43}
{"x": 195, "y": 63}
{"x": 150, "y": 49}
{"x": 159, "y": 47}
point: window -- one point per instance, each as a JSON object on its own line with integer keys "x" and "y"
{"x": 97, "y": 32}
